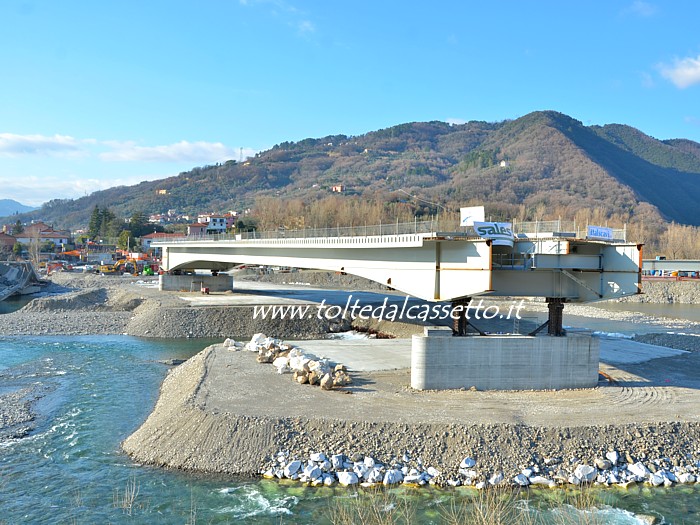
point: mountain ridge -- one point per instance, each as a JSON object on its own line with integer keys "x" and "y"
{"x": 11, "y": 207}
{"x": 543, "y": 160}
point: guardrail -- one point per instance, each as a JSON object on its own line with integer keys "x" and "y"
{"x": 441, "y": 227}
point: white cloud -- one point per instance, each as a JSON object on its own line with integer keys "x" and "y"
{"x": 683, "y": 72}
{"x": 287, "y": 12}
{"x": 34, "y": 190}
{"x": 182, "y": 151}
{"x": 641, "y": 8}
{"x": 306, "y": 26}
{"x": 455, "y": 121}
{"x": 13, "y": 145}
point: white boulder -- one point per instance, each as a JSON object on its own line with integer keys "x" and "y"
{"x": 313, "y": 472}
{"x": 282, "y": 365}
{"x": 612, "y": 456}
{"x": 292, "y": 468}
{"x": 496, "y": 478}
{"x": 392, "y": 477}
{"x": 374, "y": 475}
{"x": 521, "y": 480}
{"x": 317, "y": 456}
{"x": 656, "y": 480}
{"x": 467, "y": 463}
{"x": 586, "y": 473}
{"x": 639, "y": 469}
{"x": 686, "y": 477}
{"x": 541, "y": 480}
{"x": 347, "y": 478}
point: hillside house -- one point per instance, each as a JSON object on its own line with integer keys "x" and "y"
{"x": 197, "y": 229}
{"x": 7, "y": 242}
{"x": 215, "y": 223}
{"x": 40, "y": 232}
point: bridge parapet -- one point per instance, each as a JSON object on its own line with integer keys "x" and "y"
{"x": 438, "y": 228}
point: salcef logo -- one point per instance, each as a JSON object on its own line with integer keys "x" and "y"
{"x": 501, "y": 233}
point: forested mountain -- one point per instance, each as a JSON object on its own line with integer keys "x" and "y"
{"x": 543, "y": 161}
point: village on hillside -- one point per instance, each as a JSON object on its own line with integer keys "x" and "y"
{"x": 52, "y": 249}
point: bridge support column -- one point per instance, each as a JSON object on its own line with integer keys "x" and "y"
{"x": 556, "y": 316}
{"x": 461, "y": 323}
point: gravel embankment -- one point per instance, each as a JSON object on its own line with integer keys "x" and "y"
{"x": 84, "y": 304}
{"x": 190, "y": 429}
{"x": 667, "y": 292}
{"x": 690, "y": 343}
{"x": 316, "y": 279}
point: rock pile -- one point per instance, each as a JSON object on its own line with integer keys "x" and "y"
{"x": 613, "y": 469}
{"x": 305, "y": 369}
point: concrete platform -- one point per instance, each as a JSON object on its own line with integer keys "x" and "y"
{"x": 366, "y": 355}
{"x": 617, "y": 351}
{"x": 362, "y": 355}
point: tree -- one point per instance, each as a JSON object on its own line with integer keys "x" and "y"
{"x": 95, "y": 223}
{"x": 18, "y": 227}
{"x": 106, "y": 220}
{"x": 138, "y": 224}
{"x": 17, "y": 249}
{"x": 126, "y": 241}
{"x": 674, "y": 241}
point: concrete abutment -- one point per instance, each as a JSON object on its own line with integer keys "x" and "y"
{"x": 440, "y": 361}
{"x": 195, "y": 283}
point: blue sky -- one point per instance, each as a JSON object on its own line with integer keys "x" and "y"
{"x": 102, "y": 93}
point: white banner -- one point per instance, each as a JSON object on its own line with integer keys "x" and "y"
{"x": 600, "y": 233}
{"x": 467, "y": 216}
{"x": 501, "y": 233}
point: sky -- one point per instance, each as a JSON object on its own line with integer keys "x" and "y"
{"x": 96, "y": 94}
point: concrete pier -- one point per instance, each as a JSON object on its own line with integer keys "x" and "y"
{"x": 195, "y": 283}
{"x": 510, "y": 362}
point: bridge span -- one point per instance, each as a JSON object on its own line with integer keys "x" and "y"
{"x": 438, "y": 265}
{"x": 434, "y": 265}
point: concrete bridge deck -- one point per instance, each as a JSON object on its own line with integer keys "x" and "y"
{"x": 437, "y": 266}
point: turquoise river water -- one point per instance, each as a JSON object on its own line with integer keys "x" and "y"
{"x": 98, "y": 389}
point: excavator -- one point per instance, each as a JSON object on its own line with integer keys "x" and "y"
{"x": 131, "y": 266}
{"x": 112, "y": 269}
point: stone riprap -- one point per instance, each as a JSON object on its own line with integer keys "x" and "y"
{"x": 319, "y": 469}
{"x": 305, "y": 368}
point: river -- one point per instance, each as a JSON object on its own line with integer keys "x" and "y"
{"x": 98, "y": 389}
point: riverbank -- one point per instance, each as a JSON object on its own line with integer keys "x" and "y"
{"x": 668, "y": 292}
{"x": 223, "y": 412}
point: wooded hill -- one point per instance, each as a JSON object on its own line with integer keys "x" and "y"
{"x": 542, "y": 165}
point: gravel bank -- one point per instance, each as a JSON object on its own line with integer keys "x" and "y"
{"x": 314, "y": 278}
{"x": 16, "y": 415}
{"x": 206, "y": 423}
{"x": 666, "y": 292}
{"x": 84, "y": 304}
{"x": 690, "y": 343}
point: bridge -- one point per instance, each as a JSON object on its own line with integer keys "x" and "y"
{"x": 550, "y": 260}
{"x": 14, "y": 277}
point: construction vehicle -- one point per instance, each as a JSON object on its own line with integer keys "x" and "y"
{"x": 111, "y": 269}
{"x": 132, "y": 266}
